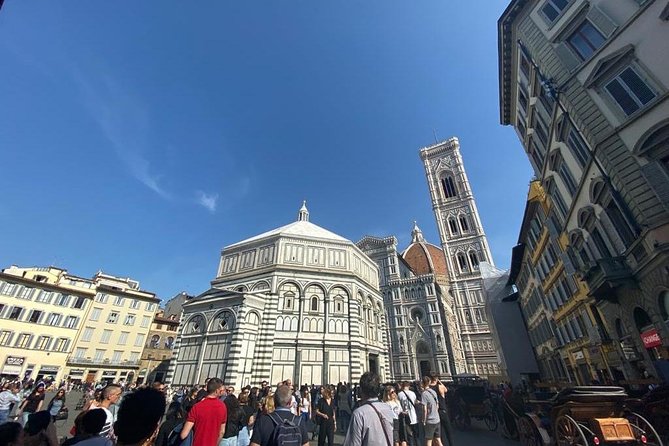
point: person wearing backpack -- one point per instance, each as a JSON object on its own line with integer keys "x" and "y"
{"x": 281, "y": 427}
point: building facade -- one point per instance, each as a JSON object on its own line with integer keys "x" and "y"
{"x": 423, "y": 330}
{"x": 585, "y": 85}
{"x": 157, "y": 352}
{"x": 109, "y": 344}
{"x": 465, "y": 245}
{"x": 297, "y": 302}
{"x": 41, "y": 313}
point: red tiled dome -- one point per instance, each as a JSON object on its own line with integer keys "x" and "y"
{"x": 424, "y": 258}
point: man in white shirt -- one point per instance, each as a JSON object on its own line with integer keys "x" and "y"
{"x": 407, "y": 401}
{"x": 372, "y": 421}
{"x": 8, "y": 396}
{"x": 110, "y": 395}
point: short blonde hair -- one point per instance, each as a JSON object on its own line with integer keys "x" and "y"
{"x": 268, "y": 403}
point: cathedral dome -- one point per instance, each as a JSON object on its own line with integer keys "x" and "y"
{"x": 423, "y": 257}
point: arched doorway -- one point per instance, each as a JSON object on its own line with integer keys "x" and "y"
{"x": 643, "y": 324}
{"x": 424, "y": 358}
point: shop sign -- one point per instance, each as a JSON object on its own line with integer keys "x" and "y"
{"x": 13, "y": 365}
{"x": 109, "y": 373}
{"x": 577, "y": 355}
{"x": 15, "y": 360}
{"x": 49, "y": 369}
{"x": 651, "y": 338}
{"x": 76, "y": 372}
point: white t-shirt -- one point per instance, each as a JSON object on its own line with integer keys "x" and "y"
{"x": 107, "y": 429}
{"x": 395, "y": 406}
{"x": 305, "y": 405}
{"x": 408, "y": 399}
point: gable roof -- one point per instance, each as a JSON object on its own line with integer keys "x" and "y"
{"x": 302, "y": 229}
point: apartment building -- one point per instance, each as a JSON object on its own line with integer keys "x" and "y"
{"x": 110, "y": 342}
{"x": 158, "y": 348}
{"x": 41, "y": 312}
{"x": 585, "y": 85}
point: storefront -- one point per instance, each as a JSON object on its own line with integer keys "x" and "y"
{"x": 75, "y": 375}
{"x": 48, "y": 373}
{"x": 12, "y": 367}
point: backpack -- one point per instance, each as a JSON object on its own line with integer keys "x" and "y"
{"x": 286, "y": 432}
{"x": 174, "y": 438}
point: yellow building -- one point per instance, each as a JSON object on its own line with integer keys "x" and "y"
{"x": 110, "y": 342}
{"x": 158, "y": 348}
{"x": 41, "y": 312}
{"x": 54, "y": 324}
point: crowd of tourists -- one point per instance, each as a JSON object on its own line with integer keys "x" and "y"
{"x": 213, "y": 414}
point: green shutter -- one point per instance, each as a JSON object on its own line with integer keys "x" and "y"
{"x": 658, "y": 181}
{"x": 601, "y": 21}
{"x": 568, "y": 58}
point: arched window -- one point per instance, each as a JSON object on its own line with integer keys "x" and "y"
{"x": 453, "y": 225}
{"x": 223, "y": 321}
{"x": 169, "y": 342}
{"x": 641, "y": 319}
{"x": 417, "y": 315}
{"x": 474, "y": 260}
{"x": 195, "y": 325}
{"x": 448, "y": 185}
{"x": 314, "y": 303}
{"x": 339, "y": 307}
{"x": 155, "y": 341}
{"x": 464, "y": 223}
{"x": 288, "y": 299}
{"x": 462, "y": 262}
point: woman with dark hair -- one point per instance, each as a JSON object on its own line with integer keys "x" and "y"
{"x": 190, "y": 399}
{"x": 328, "y": 422}
{"x": 234, "y": 420}
{"x": 11, "y": 434}
{"x": 56, "y": 404}
{"x": 40, "y": 430}
{"x": 175, "y": 415}
{"x": 33, "y": 403}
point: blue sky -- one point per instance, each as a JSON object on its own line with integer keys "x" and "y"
{"x": 139, "y": 138}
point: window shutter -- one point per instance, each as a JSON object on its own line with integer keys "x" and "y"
{"x": 601, "y": 21}
{"x": 657, "y": 179}
{"x": 568, "y": 266}
{"x": 567, "y": 56}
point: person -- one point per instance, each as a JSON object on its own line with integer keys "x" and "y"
{"x": 408, "y": 418}
{"x": 268, "y": 404}
{"x": 56, "y": 404}
{"x": 234, "y": 419}
{"x": 94, "y": 401}
{"x": 110, "y": 395}
{"x": 281, "y": 421}
{"x": 138, "y": 417}
{"x": 344, "y": 407}
{"x": 190, "y": 399}
{"x": 328, "y": 422}
{"x": 372, "y": 421}
{"x": 246, "y": 421}
{"x": 444, "y": 419}
{"x": 390, "y": 398}
{"x": 305, "y": 404}
{"x": 89, "y": 426}
{"x": 8, "y": 397}
{"x": 40, "y": 430}
{"x": 11, "y": 434}
{"x": 208, "y": 417}
{"x": 175, "y": 415}
{"x": 33, "y": 403}
{"x": 431, "y": 414}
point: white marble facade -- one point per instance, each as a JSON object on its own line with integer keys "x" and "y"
{"x": 297, "y": 302}
{"x": 465, "y": 245}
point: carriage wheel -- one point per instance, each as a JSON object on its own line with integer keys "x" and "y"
{"x": 491, "y": 421}
{"x": 527, "y": 432}
{"x": 641, "y": 426}
{"x": 568, "y": 432}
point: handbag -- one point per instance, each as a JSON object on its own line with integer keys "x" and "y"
{"x": 62, "y": 414}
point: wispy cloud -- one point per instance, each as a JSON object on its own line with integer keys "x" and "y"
{"x": 208, "y": 201}
{"x": 124, "y": 121}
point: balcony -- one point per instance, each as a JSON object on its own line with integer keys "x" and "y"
{"x": 605, "y": 276}
{"x": 74, "y": 360}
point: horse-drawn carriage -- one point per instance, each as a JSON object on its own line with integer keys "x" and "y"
{"x": 583, "y": 416}
{"x": 469, "y": 398}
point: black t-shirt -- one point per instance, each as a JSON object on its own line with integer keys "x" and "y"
{"x": 32, "y": 402}
{"x": 327, "y": 409}
{"x": 440, "y": 399}
{"x": 247, "y": 411}
{"x": 264, "y": 428}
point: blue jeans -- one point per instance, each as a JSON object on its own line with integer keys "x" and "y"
{"x": 4, "y": 414}
{"x": 244, "y": 437}
{"x": 232, "y": 441}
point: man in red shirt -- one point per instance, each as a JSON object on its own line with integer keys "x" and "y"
{"x": 208, "y": 417}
